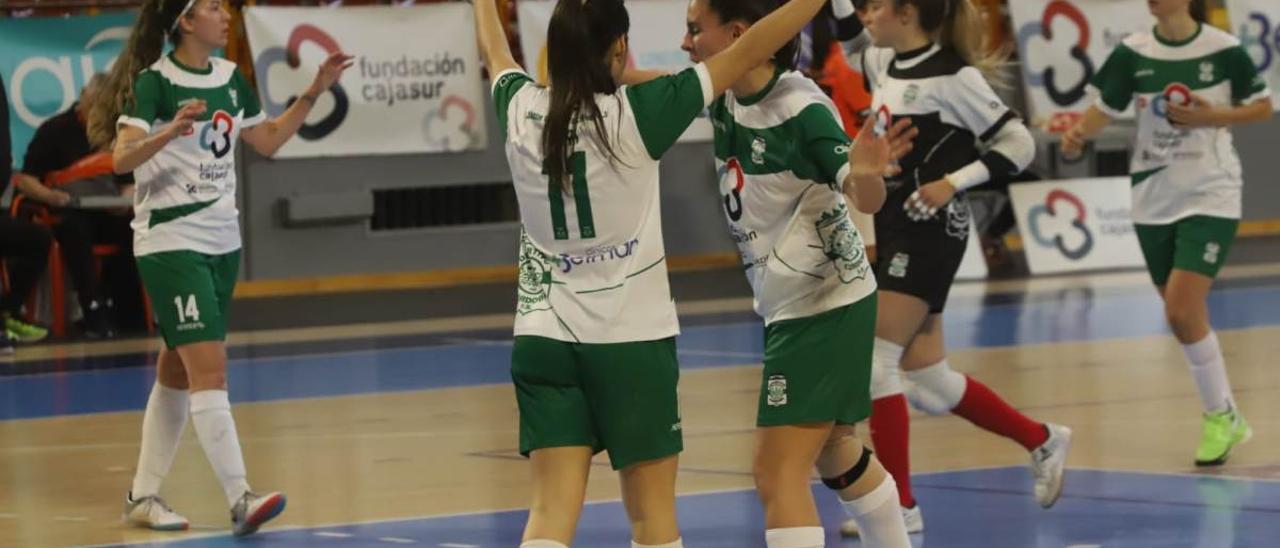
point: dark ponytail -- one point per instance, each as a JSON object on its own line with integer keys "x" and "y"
{"x": 1200, "y": 11}
{"x": 751, "y": 11}
{"x": 156, "y": 21}
{"x": 579, "y": 39}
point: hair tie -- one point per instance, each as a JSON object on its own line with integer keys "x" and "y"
{"x": 180, "y": 14}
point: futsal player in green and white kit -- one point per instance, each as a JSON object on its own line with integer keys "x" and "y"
{"x": 1189, "y": 83}
{"x": 594, "y": 362}
{"x": 175, "y": 120}
{"x": 789, "y": 176}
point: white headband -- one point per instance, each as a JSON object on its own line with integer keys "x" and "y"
{"x": 180, "y": 15}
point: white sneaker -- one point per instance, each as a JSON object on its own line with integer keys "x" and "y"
{"x": 152, "y": 513}
{"x": 912, "y": 517}
{"x": 253, "y": 510}
{"x": 1047, "y": 463}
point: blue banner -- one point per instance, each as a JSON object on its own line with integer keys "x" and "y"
{"x": 46, "y": 61}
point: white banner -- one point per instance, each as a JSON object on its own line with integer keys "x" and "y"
{"x": 1062, "y": 44}
{"x": 415, "y": 86}
{"x": 1257, "y": 23}
{"x": 657, "y": 29}
{"x": 1073, "y": 225}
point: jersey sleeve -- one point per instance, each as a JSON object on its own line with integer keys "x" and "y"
{"x": 145, "y": 108}
{"x": 1247, "y": 84}
{"x": 1114, "y": 81}
{"x": 505, "y": 88}
{"x": 251, "y": 107}
{"x": 976, "y": 106}
{"x": 825, "y": 144}
{"x": 665, "y": 107}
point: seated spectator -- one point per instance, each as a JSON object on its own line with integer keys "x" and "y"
{"x": 59, "y": 143}
{"x": 24, "y": 247}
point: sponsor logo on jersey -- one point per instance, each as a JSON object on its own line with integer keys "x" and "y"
{"x": 1175, "y": 93}
{"x": 599, "y": 254}
{"x": 1040, "y": 214}
{"x": 884, "y": 119}
{"x": 776, "y": 391}
{"x": 235, "y": 97}
{"x": 733, "y": 198}
{"x": 534, "y": 281}
{"x": 1144, "y": 73}
{"x": 217, "y": 136}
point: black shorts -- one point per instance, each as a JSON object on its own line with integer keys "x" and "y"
{"x": 920, "y": 258}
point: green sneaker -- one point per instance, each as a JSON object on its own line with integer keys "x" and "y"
{"x": 1221, "y": 432}
{"x": 24, "y": 332}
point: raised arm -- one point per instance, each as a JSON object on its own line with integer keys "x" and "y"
{"x": 760, "y": 42}
{"x": 268, "y": 136}
{"x": 493, "y": 39}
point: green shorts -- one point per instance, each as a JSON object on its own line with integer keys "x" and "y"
{"x": 190, "y": 293}
{"x": 818, "y": 369}
{"x": 616, "y": 397}
{"x": 1198, "y": 244}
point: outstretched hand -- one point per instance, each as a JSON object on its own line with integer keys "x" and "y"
{"x": 875, "y": 154}
{"x": 331, "y": 70}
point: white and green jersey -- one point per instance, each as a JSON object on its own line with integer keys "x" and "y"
{"x": 186, "y": 193}
{"x": 592, "y": 261}
{"x": 782, "y": 157}
{"x": 1176, "y": 172}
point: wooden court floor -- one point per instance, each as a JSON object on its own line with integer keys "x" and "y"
{"x": 393, "y": 453}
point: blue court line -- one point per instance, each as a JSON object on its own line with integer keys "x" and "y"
{"x": 962, "y": 509}
{"x": 1078, "y": 315}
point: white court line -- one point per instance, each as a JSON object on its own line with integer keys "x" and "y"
{"x": 328, "y": 534}
{"x": 398, "y": 540}
{"x": 76, "y": 519}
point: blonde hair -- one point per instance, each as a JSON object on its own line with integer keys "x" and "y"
{"x": 957, "y": 24}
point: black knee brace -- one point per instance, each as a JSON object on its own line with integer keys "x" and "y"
{"x": 848, "y": 478}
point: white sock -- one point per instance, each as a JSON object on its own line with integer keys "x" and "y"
{"x": 677, "y": 543}
{"x": 162, "y": 426}
{"x": 1210, "y": 372}
{"x": 879, "y": 516}
{"x": 542, "y": 543}
{"x": 211, "y": 413}
{"x": 886, "y": 369}
{"x": 795, "y": 537}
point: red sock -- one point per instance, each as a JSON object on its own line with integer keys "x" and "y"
{"x": 891, "y": 435}
{"x": 985, "y": 409}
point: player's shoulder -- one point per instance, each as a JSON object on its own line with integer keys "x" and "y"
{"x": 795, "y": 92}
